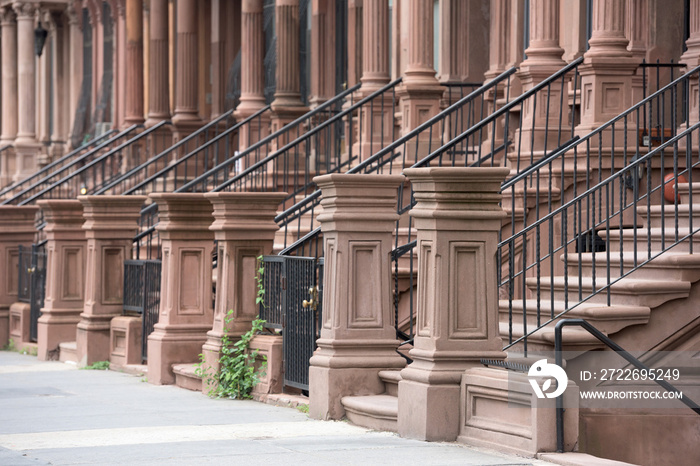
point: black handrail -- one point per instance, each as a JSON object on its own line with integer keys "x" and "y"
{"x": 74, "y": 163}
{"x": 53, "y": 164}
{"x": 164, "y": 153}
{"x": 613, "y": 346}
{"x": 94, "y": 162}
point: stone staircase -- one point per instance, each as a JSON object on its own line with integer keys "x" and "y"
{"x": 378, "y": 412}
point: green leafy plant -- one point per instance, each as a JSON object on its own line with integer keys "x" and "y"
{"x": 238, "y": 374}
{"x": 10, "y": 346}
{"x": 303, "y": 409}
{"x": 97, "y": 366}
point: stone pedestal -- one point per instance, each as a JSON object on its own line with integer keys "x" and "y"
{"x": 458, "y": 219}
{"x": 16, "y": 228}
{"x": 244, "y": 227}
{"x": 125, "y": 341}
{"x": 186, "y": 312}
{"x": 111, "y": 222}
{"x": 358, "y": 338}
{"x": 65, "y": 274}
{"x": 269, "y": 349}
{"x": 499, "y": 410}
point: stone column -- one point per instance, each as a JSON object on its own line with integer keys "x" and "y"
{"x": 134, "y": 62}
{"x": 219, "y": 66}
{"x": 16, "y": 228}
{"x": 75, "y": 66}
{"x": 186, "y": 312}
{"x": 158, "y": 87}
{"x": 244, "y": 227}
{"x": 252, "y": 72}
{"x": 26, "y": 146}
{"x": 8, "y": 26}
{"x": 119, "y": 63}
{"x": 65, "y": 274}
{"x": 287, "y": 105}
{"x": 323, "y": 58}
{"x": 186, "y": 116}
{"x": 458, "y": 219}
{"x": 375, "y": 75}
{"x": 543, "y": 59}
{"x": 355, "y": 27}
{"x": 111, "y": 222}
{"x": 420, "y": 92}
{"x": 606, "y": 73}
{"x": 358, "y": 338}
{"x": 691, "y": 57}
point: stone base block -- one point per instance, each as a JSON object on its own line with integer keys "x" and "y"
{"x": 661, "y": 436}
{"x": 4, "y": 327}
{"x": 18, "y": 324}
{"x": 269, "y": 349}
{"x": 125, "y": 341}
{"x": 427, "y": 411}
{"x": 499, "y": 410}
{"x": 173, "y": 344}
{"x": 186, "y": 377}
{"x": 93, "y": 340}
{"x": 54, "y": 328}
{"x": 327, "y": 386}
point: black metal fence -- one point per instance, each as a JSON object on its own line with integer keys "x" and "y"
{"x": 293, "y": 299}
{"x": 32, "y": 283}
{"x": 142, "y": 295}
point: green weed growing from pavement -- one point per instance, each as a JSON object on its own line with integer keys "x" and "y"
{"x": 10, "y": 346}
{"x": 97, "y": 366}
{"x": 237, "y": 375}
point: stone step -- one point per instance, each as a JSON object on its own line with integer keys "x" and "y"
{"x": 626, "y": 291}
{"x": 607, "y": 319}
{"x": 379, "y": 412}
{"x": 670, "y": 265}
{"x": 391, "y": 381}
{"x": 573, "y": 338}
{"x": 667, "y": 214}
{"x": 655, "y": 238}
{"x": 579, "y": 459}
{"x": 68, "y": 352}
{"x": 185, "y": 377}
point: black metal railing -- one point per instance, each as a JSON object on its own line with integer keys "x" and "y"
{"x": 25, "y": 190}
{"x": 637, "y": 225}
{"x": 232, "y": 168}
{"x": 92, "y": 175}
{"x": 142, "y": 295}
{"x": 175, "y": 164}
{"x": 186, "y": 160}
{"x": 69, "y": 158}
{"x": 32, "y": 283}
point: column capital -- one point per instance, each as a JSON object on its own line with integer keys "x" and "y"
{"x": 249, "y": 216}
{"x": 7, "y": 16}
{"x": 111, "y": 216}
{"x": 25, "y": 10}
{"x": 183, "y": 215}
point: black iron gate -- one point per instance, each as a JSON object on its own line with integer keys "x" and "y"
{"x": 293, "y": 304}
{"x": 32, "y": 283}
{"x": 142, "y": 295}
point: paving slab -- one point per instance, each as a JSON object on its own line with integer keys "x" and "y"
{"x": 53, "y": 413}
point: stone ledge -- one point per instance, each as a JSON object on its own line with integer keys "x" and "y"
{"x": 579, "y": 459}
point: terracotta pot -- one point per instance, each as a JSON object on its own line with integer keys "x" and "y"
{"x": 670, "y": 188}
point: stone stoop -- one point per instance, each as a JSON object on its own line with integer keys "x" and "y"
{"x": 378, "y": 412}
{"x": 67, "y": 352}
{"x": 579, "y": 459}
{"x": 185, "y": 377}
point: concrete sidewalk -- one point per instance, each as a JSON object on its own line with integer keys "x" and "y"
{"x": 52, "y": 413}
